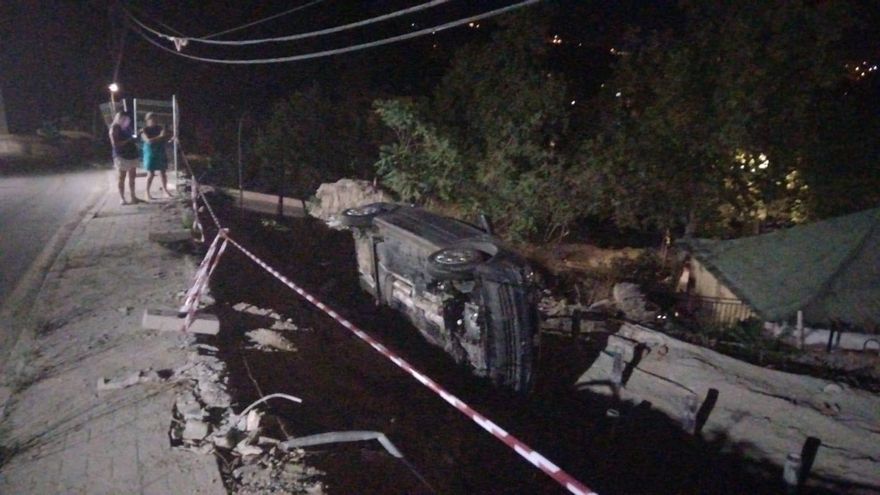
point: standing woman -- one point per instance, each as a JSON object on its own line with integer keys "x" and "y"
{"x": 125, "y": 154}
{"x": 154, "y": 138}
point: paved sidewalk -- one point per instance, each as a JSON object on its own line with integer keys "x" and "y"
{"x": 58, "y": 433}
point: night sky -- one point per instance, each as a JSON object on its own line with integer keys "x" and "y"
{"x": 58, "y": 56}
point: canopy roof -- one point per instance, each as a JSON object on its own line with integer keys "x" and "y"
{"x": 830, "y": 270}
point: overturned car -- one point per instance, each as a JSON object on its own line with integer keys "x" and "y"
{"x": 456, "y": 283}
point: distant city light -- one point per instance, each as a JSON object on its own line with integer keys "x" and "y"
{"x": 617, "y": 95}
{"x": 556, "y": 40}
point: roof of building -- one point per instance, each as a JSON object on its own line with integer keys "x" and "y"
{"x": 830, "y": 270}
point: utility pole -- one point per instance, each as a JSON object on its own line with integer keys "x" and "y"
{"x": 4, "y": 127}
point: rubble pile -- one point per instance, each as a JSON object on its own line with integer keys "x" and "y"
{"x": 204, "y": 422}
{"x": 332, "y": 198}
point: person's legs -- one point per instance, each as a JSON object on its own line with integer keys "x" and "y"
{"x": 121, "y": 171}
{"x": 150, "y": 175}
{"x": 164, "y": 182}
{"x": 132, "y": 174}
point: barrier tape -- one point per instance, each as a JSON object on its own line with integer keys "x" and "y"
{"x": 533, "y": 457}
{"x": 194, "y": 196}
{"x": 200, "y": 280}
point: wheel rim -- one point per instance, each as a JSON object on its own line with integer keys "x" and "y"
{"x": 455, "y": 257}
{"x": 363, "y": 211}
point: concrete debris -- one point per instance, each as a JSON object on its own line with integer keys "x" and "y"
{"x": 277, "y": 472}
{"x": 332, "y": 198}
{"x": 246, "y": 450}
{"x": 195, "y": 429}
{"x": 252, "y": 420}
{"x": 266, "y": 339}
{"x": 206, "y": 347}
{"x": 126, "y": 310}
{"x": 135, "y": 378}
{"x": 170, "y": 321}
{"x": 284, "y": 325}
{"x": 766, "y": 412}
{"x": 251, "y": 309}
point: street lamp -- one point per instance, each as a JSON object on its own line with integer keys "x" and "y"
{"x": 114, "y": 88}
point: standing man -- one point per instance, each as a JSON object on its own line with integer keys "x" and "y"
{"x": 125, "y": 154}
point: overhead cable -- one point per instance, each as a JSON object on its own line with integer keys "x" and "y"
{"x": 334, "y": 51}
{"x": 322, "y": 32}
{"x": 258, "y": 21}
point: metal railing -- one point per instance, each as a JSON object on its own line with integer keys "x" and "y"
{"x": 716, "y": 310}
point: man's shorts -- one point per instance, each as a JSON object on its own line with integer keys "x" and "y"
{"x": 125, "y": 164}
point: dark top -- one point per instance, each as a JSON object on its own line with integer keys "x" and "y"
{"x": 123, "y": 144}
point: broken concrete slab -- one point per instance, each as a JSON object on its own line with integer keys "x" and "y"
{"x": 766, "y": 413}
{"x": 167, "y": 320}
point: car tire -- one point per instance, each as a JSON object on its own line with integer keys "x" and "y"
{"x": 510, "y": 351}
{"x": 362, "y": 216}
{"x": 455, "y": 263}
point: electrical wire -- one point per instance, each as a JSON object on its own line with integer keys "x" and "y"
{"x": 335, "y": 51}
{"x": 322, "y": 32}
{"x": 259, "y": 21}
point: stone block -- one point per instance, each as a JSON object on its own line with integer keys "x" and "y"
{"x": 168, "y": 320}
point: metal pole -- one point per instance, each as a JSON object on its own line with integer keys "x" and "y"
{"x": 240, "y": 185}
{"x": 175, "y": 131}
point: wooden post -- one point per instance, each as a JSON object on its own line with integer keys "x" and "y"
{"x": 800, "y": 329}
{"x": 4, "y": 126}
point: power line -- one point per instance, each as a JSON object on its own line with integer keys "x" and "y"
{"x": 311, "y": 34}
{"x": 335, "y": 51}
{"x": 259, "y": 21}
{"x": 322, "y": 32}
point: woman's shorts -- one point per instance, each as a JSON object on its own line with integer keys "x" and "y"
{"x": 125, "y": 164}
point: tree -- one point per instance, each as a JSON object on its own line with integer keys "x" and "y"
{"x": 312, "y": 138}
{"x": 492, "y": 137}
{"x": 719, "y": 124}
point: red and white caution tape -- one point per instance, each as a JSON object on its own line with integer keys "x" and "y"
{"x": 194, "y": 195}
{"x": 201, "y": 278}
{"x": 529, "y": 454}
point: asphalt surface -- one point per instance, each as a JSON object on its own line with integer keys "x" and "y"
{"x": 32, "y": 209}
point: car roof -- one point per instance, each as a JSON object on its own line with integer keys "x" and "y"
{"x": 434, "y": 228}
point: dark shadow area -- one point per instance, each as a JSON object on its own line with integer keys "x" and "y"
{"x": 346, "y": 385}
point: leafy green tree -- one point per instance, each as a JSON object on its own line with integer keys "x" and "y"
{"x": 719, "y": 123}
{"x": 310, "y": 138}
{"x": 491, "y": 138}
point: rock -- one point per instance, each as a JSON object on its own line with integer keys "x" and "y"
{"x": 247, "y": 450}
{"x": 832, "y": 388}
{"x": 284, "y": 325}
{"x": 195, "y": 430}
{"x": 252, "y": 421}
{"x": 332, "y": 198}
{"x": 265, "y": 338}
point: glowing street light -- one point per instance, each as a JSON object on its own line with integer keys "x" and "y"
{"x": 114, "y": 88}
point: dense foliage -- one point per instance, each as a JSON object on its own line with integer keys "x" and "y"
{"x": 738, "y": 117}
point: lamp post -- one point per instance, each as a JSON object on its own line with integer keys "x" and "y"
{"x": 114, "y": 88}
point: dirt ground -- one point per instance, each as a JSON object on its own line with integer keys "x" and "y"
{"x": 345, "y": 385}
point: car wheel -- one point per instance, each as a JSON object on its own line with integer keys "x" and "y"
{"x": 456, "y": 263}
{"x": 510, "y": 320}
{"x": 362, "y": 216}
